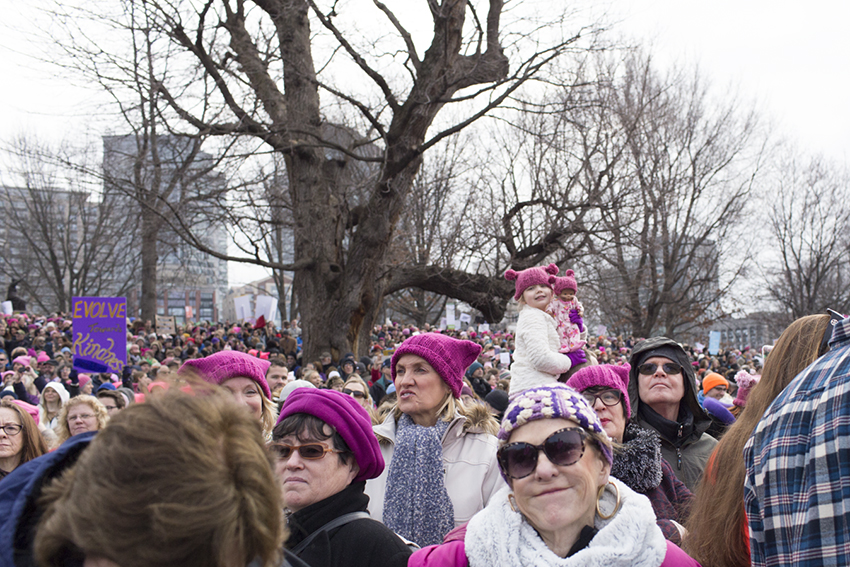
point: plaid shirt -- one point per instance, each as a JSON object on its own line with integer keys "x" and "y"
{"x": 797, "y": 489}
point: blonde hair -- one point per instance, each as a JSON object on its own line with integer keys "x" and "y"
{"x": 63, "y": 432}
{"x": 368, "y": 404}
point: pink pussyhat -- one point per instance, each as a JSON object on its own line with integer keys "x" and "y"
{"x": 532, "y": 276}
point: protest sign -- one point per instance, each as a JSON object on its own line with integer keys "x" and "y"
{"x": 265, "y": 306}
{"x": 465, "y": 317}
{"x": 100, "y": 334}
{"x": 243, "y": 307}
{"x": 713, "y": 342}
{"x": 165, "y": 325}
{"x": 7, "y": 307}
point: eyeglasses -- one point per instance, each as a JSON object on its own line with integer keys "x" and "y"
{"x": 309, "y": 451}
{"x": 83, "y": 416}
{"x": 649, "y": 368}
{"x": 563, "y": 448}
{"x": 354, "y": 393}
{"x": 608, "y": 397}
{"x": 11, "y": 429}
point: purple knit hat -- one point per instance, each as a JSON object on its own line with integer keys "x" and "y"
{"x": 607, "y": 375}
{"x": 566, "y": 282}
{"x": 552, "y": 402}
{"x": 532, "y": 276}
{"x": 449, "y": 357}
{"x": 222, "y": 366}
{"x": 345, "y": 415}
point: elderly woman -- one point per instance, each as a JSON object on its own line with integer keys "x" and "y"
{"x": 325, "y": 452}
{"x": 243, "y": 375}
{"x": 81, "y": 414}
{"x": 560, "y": 507}
{"x": 20, "y": 440}
{"x": 637, "y": 458}
{"x": 441, "y": 455}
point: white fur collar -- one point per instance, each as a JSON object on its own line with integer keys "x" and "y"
{"x": 499, "y": 536}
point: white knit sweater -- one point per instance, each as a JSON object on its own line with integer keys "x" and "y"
{"x": 537, "y": 361}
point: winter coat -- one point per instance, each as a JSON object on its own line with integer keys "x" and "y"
{"x": 639, "y": 465}
{"x": 537, "y": 361}
{"x": 19, "y": 493}
{"x": 500, "y": 536}
{"x": 359, "y": 543}
{"x": 469, "y": 455}
{"x": 688, "y": 449}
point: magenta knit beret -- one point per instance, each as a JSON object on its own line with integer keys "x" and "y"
{"x": 532, "y": 276}
{"x": 449, "y": 357}
{"x": 227, "y": 364}
{"x": 349, "y": 419}
{"x": 607, "y": 375}
{"x": 566, "y": 282}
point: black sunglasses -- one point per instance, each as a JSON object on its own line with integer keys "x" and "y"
{"x": 649, "y": 368}
{"x": 354, "y": 393}
{"x": 563, "y": 448}
{"x": 608, "y": 397}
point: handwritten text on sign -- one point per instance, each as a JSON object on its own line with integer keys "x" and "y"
{"x": 100, "y": 333}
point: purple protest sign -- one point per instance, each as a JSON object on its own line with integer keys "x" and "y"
{"x": 100, "y": 334}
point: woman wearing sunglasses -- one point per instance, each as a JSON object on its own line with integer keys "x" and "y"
{"x": 637, "y": 456}
{"x": 440, "y": 453}
{"x": 357, "y": 388}
{"x": 663, "y": 397}
{"x": 325, "y": 451}
{"x": 561, "y": 507}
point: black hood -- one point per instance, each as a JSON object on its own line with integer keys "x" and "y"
{"x": 668, "y": 348}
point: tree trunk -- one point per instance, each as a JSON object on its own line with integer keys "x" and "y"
{"x": 150, "y": 259}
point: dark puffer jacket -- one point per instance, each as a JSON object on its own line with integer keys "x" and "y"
{"x": 638, "y": 463}
{"x": 684, "y": 443}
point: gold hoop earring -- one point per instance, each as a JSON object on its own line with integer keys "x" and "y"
{"x": 599, "y": 496}
{"x": 512, "y": 501}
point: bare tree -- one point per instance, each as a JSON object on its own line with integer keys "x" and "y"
{"x": 61, "y": 239}
{"x": 240, "y": 53}
{"x": 810, "y": 234}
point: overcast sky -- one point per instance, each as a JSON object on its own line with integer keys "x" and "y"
{"x": 792, "y": 59}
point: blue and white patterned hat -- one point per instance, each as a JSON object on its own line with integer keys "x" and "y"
{"x": 551, "y": 402}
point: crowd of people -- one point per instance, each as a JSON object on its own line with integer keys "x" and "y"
{"x": 222, "y": 444}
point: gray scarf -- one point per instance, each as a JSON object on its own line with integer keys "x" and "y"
{"x": 417, "y": 505}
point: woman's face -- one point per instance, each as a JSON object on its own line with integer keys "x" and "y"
{"x": 10, "y": 445}
{"x": 51, "y": 395}
{"x": 65, "y": 372}
{"x": 357, "y": 391}
{"x": 82, "y": 418}
{"x": 613, "y": 418}
{"x": 557, "y": 499}
{"x": 307, "y": 481}
{"x": 420, "y": 389}
{"x": 87, "y": 388}
{"x": 246, "y": 392}
{"x": 717, "y": 392}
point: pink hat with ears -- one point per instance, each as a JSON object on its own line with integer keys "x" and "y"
{"x": 449, "y": 357}
{"x": 566, "y": 282}
{"x": 532, "y": 276}
{"x": 29, "y": 408}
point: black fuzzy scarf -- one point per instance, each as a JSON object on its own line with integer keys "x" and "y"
{"x": 638, "y": 461}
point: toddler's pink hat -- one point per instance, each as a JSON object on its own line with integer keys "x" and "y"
{"x": 566, "y": 282}
{"x": 532, "y": 276}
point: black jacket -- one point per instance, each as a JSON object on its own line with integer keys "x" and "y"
{"x": 363, "y": 542}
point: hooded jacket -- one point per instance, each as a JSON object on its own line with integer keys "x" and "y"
{"x": 685, "y": 445}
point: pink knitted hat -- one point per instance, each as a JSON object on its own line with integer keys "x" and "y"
{"x": 566, "y": 282}
{"x": 345, "y": 415}
{"x": 746, "y": 382}
{"x": 449, "y": 357}
{"x": 532, "y": 276}
{"x": 608, "y": 375}
{"x": 29, "y": 408}
{"x": 222, "y": 366}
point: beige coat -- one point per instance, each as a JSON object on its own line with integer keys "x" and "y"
{"x": 469, "y": 454}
